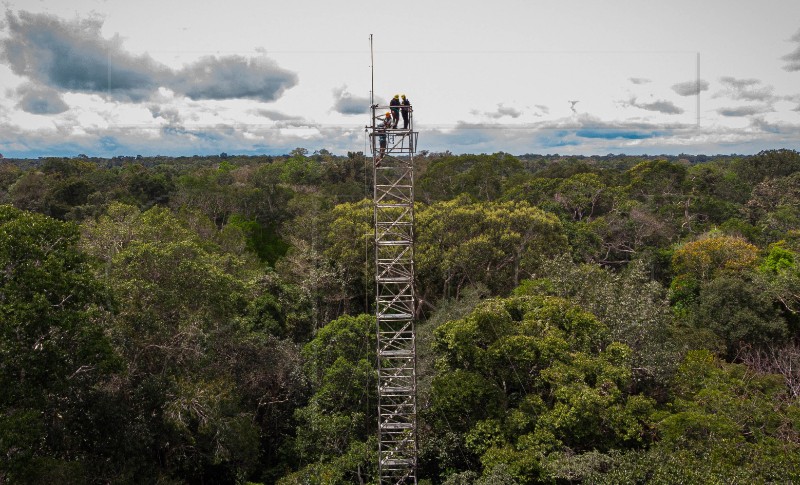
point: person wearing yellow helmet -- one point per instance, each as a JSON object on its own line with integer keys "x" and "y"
{"x": 405, "y": 110}
{"x": 394, "y": 105}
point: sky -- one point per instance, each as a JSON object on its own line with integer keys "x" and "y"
{"x": 572, "y": 77}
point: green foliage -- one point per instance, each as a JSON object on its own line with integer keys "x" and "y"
{"x": 780, "y": 275}
{"x": 462, "y": 243}
{"x": 480, "y": 176}
{"x": 718, "y": 181}
{"x": 526, "y": 376}
{"x": 581, "y": 195}
{"x": 192, "y": 350}
{"x": 715, "y": 291}
{"x": 767, "y": 164}
{"x": 28, "y": 192}
{"x": 301, "y": 170}
{"x": 278, "y": 309}
{"x": 773, "y": 207}
{"x": 683, "y": 292}
{"x": 350, "y": 248}
{"x": 737, "y": 227}
{"x": 54, "y": 354}
{"x": 460, "y": 398}
{"x": 655, "y": 182}
{"x": 779, "y": 259}
{"x": 618, "y": 236}
{"x": 172, "y": 354}
{"x": 349, "y": 339}
{"x": 332, "y": 432}
{"x": 725, "y": 425}
{"x": 739, "y": 312}
{"x": 261, "y": 240}
{"x": 8, "y": 175}
{"x": 147, "y": 187}
{"x": 537, "y": 191}
{"x": 358, "y": 464}
{"x": 633, "y": 307}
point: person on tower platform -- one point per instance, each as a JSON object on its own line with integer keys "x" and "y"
{"x": 405, "y": 110}
{"x": 384, "y": 123}
{"x": 394, "y": 105}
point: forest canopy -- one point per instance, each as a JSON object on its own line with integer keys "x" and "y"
{"x": 608, "y": 319}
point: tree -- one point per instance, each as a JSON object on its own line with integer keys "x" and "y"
{"x": 708, "y": 256}
{"x": 28, "y": 192}
{"x": 8, "y": 175}
{"x": 301, "y": 170}
{"x": 193, "y": 395}
{"x": 767, "y": 164}
{"x": 261, "y": 241}
{"x": 724, "y": 425}
{"x": 350, "y": 247}
{"x": 739, "y": 312}
{"x": 54, "y": 355}
{"x": 621, "y": 235}
{"x": 481, "y": 176}
{"x": 717, "y": 180}
{"x": 523, "y": 377}
{"x": 146, "y": 186}
{"x": 332, "y": 442}
{"x": 782, "y": 360}
{"x": 774, "y": 206}
{"x": 65, "y": 195}
{"x": 658, "y": 183}
{"x": 581, "y": 195}
{"x": 633, "y": 307}
{"x": 780, "y": 274}
{"x": 715, "y": 289}
{"x": 495, "y": 243}
{"x": 713, "y": 195}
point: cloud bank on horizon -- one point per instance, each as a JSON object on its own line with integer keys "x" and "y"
{"x": 72, "y": 88}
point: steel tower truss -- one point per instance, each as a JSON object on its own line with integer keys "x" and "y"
{"x": 393, "y": 181}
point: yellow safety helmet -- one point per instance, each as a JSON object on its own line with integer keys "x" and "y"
{"x": 403, "y": 96}
{"x": 396, "y": 96}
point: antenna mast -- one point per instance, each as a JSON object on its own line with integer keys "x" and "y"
{"x": 372, "y": 74}
{"x": 393, "y": 151}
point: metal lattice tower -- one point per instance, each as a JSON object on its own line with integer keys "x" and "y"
{"x": 393, "y": 181}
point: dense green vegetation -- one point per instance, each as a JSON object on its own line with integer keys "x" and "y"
{"x": 608, "y": 319}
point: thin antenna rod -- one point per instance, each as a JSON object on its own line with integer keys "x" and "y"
{"x": 372, "y": 72}
{"x": 698, "y": 89}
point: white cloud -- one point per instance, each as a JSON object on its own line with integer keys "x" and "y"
{"x": 275, "y": 115}
{"x": 40, "y": 100}
{"x": 170, "y": 83}
{"x": 74, "y": 56}
{"x": 347, "y": 104}
{"x": 501, "y": 112}
{"x": 744, "y": 110}
{"x": 690, "y": 88}
{"x": 660, "y": 106}
{"x": 745, "y": 89}
{"x": 793, "y": 58}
